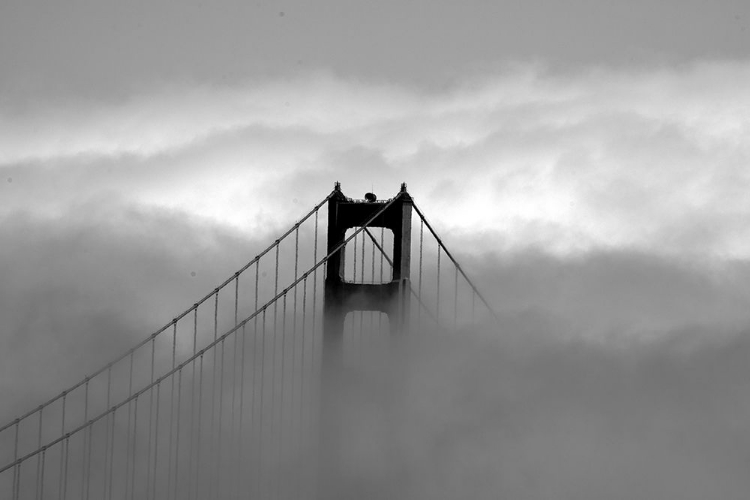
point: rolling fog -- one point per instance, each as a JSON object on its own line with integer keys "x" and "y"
{"x": 613, "y": 375}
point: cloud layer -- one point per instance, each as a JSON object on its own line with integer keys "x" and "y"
{"x": 650, "y": 160}
{"x": 602, "y": 209}
{"x": 607, "y": 373}
{"x": 524, "y": 415}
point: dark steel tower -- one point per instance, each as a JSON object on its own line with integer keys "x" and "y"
{"x": 342, "y": 297}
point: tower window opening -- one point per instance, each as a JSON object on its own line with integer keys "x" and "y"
{"x": 368, "y": 256}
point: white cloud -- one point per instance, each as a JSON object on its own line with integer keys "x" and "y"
{"x": 652, "y": 160}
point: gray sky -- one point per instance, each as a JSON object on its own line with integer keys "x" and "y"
{"x": 588, "y": 161}
{"x": 105, "y": 49}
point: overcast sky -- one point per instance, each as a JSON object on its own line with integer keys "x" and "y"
{"x": 588, "y": 161}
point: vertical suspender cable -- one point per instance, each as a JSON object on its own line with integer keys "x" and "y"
{"x": 191, "y": 425}
{"x": 111, "y": 454}
{"x": 66, "y": 445}
{"x": 362, "y": 272}
{"x": 198, "y": 467}
{"x": 232, "y": 440}
{"x": 219, "y": 432}
{"x": 86, "y": 469}
{"x": 253, "y": 378}
{"x": 275, "y": 334}
{"x": 107, "y": 462}
{"x": 260, "y": 425}
{"x": 39, "y": 457}
{"x": 281, "y": 392}
{"x": 17, "y": 467}
{"x": 211, "y": 438}
{"x": 127, "y": 436}
{"x": 301, "y": 430}
{"x": 240, "y": 431}
{"x": 283, "y": 364}
{"x": 313, "y": 358}
{"x": 354, "y": 258}
{"x": 156, "y": 441}
{"x": 273, "y": 352}
{"x": 362, "y": 313}
{"x": 41, "y": 477}
{"x": 294, "y": 327}
{"x": 150, "y": 418}
{"x": 437, "y": 307}
{"x": 315, "y": 294}
{"x": 171, "y": 411}
{"x": 236, "y": 296}
{"x": 455, "y": 299}
{"x": 372, "y": 278}
{"x": 382, "y": 264}
{"x": 62, "y": 447}
{"x": 419, "y": 286}
{"x": 193, "y": 435}
{"x": 382, "y": 255}
{"x": 134, "y": 448}
{"x": 177, "y": 436}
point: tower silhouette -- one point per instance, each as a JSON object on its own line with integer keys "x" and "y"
{"x": 341, "y": 297}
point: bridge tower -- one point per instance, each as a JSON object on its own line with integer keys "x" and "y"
{"x": 342, "y": 297}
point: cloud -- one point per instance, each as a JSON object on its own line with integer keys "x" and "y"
{"x": 108, "y": 275}
{"x": 608, "y": 372}
{"x": 170, "y": 118}
{"x": 526, "y": 414}
{"x": 80, "y": 290}
{"x": 612, "y": 296}
{"x": 651, "y": 160}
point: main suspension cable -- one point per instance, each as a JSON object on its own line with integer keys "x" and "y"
{"x": 112, "y": 411}
{"x": 146, "y": 340}
{"x": 455, "y": 262}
